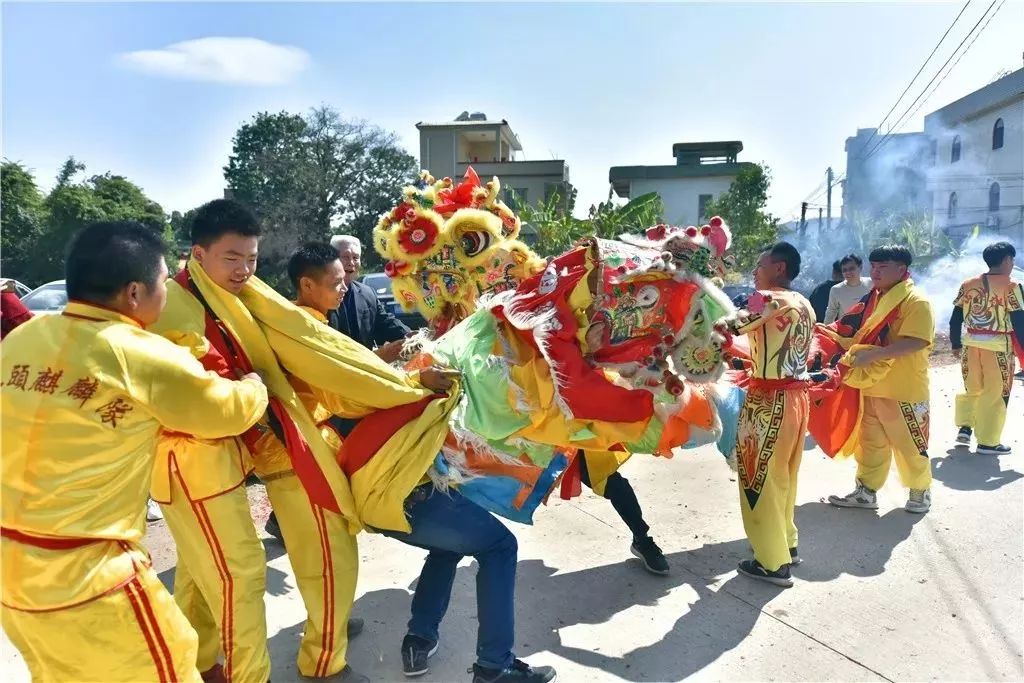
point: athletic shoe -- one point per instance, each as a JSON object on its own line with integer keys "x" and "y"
{"x": 779, "y": 577}
{"x": 998, "y": 449}
{"x": 650, "y": 554}
{"x": 919, "y": 502}
{"x": 349, "y": 675}
{"x": 518, "y": 672}
{"x": 354, "y": 627}
{"x": 153, "y": 511}
{"x": 415, "y": 653}
{"x": 794, "y": 558}
{"x": 963, "y": 437}
{"x": 862, "y": 497}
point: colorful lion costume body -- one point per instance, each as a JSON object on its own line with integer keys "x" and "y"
{"x": 612, "y": 347}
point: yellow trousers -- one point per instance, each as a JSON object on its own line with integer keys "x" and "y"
{"x": 132, "y": 633}
{"x": 220, "y": 580}
{"x": 325, "y": 561}
{"x": 769, "y": 448}
{"x": 988, "y": 378}
{"x": 888, "y": 429}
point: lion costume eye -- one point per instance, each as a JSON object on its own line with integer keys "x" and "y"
{"x": 475, "y": 242}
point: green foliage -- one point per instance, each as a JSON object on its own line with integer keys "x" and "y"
{"x": 36, "y": 230}
{"x": 742, "y": 208}
{"x": 556, "y": 229}
{"x": 310, "y": 176}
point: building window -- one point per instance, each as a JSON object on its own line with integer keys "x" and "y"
{"x": 951, "y": 211}
{"x": 702, "y": 206}
{"x": 993, "y": 197}
{"x": 955, "y": 156}
{"x": 997, "y": 134}
{"x": 515, "y": 197}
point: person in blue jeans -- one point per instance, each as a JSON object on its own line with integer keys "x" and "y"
{"x": 451, "y": 527}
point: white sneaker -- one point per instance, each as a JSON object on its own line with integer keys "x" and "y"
{"x": 998, "y": 449}
{"x": 963, "y": 437}
{"x": 919, "y": 502}
{"x": 153, "y": 511}
{"x": 862, "y": 497}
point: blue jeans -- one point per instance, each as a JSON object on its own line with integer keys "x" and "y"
{"x": 450, "y": 528}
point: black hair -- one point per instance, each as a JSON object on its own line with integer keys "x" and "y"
{"x": 104, "y": 258}
{"x": 787, "y": 253}
{"x": 851, "y": 258}
{"x": 220, "y": 217}
{"x": 897, "y": 253}
{"x": 311, "y": 257}
{"x": 995, "y": 254}
{"x": 837, "y": 267}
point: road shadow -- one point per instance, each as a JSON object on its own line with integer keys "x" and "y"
{"x": 720, "y": 615}
{"x": 961, "y": 469}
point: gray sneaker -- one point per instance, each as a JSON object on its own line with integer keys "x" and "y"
{"x": 862, "y": 497}
{"x": 920, "y": 501}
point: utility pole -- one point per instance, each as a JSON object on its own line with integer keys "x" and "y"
{"x": 803, "y": 218}
{"x": 828, "y": 202}
{"x": 819, "y": 219}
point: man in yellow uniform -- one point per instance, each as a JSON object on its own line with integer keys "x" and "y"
{"x": 895, "y": 417}
{"x": 773, "y": 421}
{"x": 992, "y": 306}
{"x": 220, "y": 577}
{"x": 84, "y": 398}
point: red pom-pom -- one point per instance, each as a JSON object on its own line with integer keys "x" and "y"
{"x": 706, "y": 230}
{"x": 691, "y": 231}
{"x": 716, "y": 222}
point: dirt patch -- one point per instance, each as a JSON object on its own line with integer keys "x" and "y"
{"x": 942, "y": 352}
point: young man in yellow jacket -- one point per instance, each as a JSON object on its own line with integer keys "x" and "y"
{"x": 85, "y": 396}
{"x": 200, "y": 484}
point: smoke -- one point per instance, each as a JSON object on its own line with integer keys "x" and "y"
{"x": 940, "y": 282}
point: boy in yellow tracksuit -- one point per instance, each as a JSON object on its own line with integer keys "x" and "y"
{"x": 773, "y": 421}
{"x": 894, "y": 420}
{"x": 220, "y": 577}
{"x": 992, "y": 307}
{"x": 85, "y": 396}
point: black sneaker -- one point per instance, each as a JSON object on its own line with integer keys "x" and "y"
{"x": 963, "y": 437}
{"x": 650, "y": 554}
{"x": 998, "y": 449}
{"x": 518, "y": 672}
{"x": 415, "y": 653}
{"x": 794, "y": 558}
{"x": 354, "y": 627}
{"x": 754, "y": 570}
{"x": 349, "y": 675}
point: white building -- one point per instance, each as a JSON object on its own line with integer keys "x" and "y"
{"x": 978, "y": 176}
{"x": 703, "y": 171}
{"x": 448, "y": 148}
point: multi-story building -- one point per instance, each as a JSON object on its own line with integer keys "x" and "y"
{"x": 978, "y": 176}
{"x": 703, "y": 171}
{"x": 448, "y": 148}
{"x": 886, "y": 174}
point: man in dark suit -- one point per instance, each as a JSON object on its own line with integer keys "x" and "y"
{"x": 361, "y": 316}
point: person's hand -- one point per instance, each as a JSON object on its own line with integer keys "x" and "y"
{"x": 8, "y": 286}
{"x": 438, "y": 380}
{"x": 863, "y": 358}
{"x": 390, "y": 352}
{"x": 253, "y": 375}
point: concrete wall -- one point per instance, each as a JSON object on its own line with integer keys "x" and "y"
{"x": 979, "y": 166}
{"x": 681, "y": 195}
{"x": 438, "y": 152}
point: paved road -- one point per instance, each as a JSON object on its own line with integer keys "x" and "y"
{"x": 884, "y": 595}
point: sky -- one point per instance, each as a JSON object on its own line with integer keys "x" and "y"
{"x": 155, "y": 91}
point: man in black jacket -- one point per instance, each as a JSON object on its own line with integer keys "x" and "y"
{"x": 361, "y": 316}
{"x": 819, "y": 297}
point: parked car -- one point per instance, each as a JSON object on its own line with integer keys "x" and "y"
{"x": 47, "y": 299}
{"x": 20, "y": 288}
{"x": 381, "y": 286}
{"x": 738, "y": 294}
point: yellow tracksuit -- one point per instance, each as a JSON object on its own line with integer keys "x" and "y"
{"x": 987, "y": 359}
{"x": 321, "y": 550}
{"x": 895, "y": 419}
{"x": 773, "y": 421}
{"x": 85, "y": 396}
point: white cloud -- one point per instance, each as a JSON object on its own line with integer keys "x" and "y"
{"x": 246, "y": 61}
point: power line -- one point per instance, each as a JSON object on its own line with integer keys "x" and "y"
{"x": 912, "y": 80}
{"x": 907, "y": 113}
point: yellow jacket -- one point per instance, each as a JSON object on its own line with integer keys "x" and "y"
{"x": 85, "y": 397}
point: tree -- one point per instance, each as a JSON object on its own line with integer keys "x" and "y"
{"x": 22, "y": 217}
{"x": 36, "y": 231}
{"x": 742, "y": 208}
{"x": 305, "y": 175}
